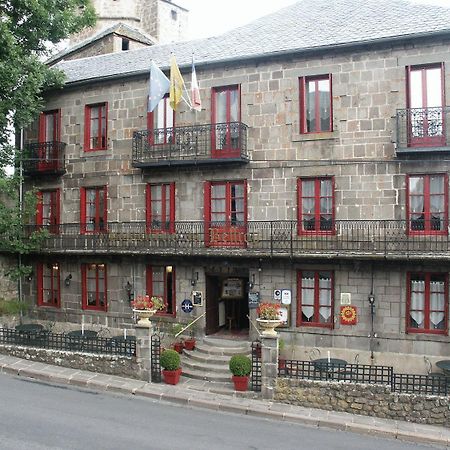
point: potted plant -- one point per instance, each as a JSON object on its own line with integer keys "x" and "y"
{"x": 269, "y": 318}
{"x": 189, "y": 342}
{"x": 240, "y": 367}
{"x": 178, "y": 343}
{"x": 170, "y": 362}
{"x": 145, "y": 306}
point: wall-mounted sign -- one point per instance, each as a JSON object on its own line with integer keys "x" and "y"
{"x": 284, "y": 316}
{"x": 348, "y": 315}
{"x": 187, "y": 306}
{"x": 346, "y": 298}
{"x": 233, "y": 288}
{"x": 253, "y": 300}
{"x": 286, "y": 296}
{"x": 197, "y": 298}
{"x": 277, "y": 294}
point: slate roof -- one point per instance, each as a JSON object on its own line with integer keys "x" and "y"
{"x": 119, "y": 28}
{"x": 304, "y": 26}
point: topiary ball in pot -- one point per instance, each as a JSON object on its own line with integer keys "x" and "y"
{"x": 240, "y": 365}
{"x": 170, "y": 360}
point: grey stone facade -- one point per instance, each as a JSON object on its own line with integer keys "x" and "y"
{"x": 368, "y": 86}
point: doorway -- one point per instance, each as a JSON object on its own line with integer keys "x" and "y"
{"x": 226, "y": 304}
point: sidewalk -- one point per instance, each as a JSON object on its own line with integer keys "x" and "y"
{"x": 199, "y": 394}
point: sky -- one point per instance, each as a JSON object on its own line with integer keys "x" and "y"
{"x": 212, "y": 17}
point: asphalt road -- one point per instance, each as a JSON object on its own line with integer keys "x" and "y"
{"x": 34, "y": 415}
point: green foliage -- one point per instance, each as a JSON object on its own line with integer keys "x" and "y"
{"x": 12, "y": 307}
{"x": 240, "y": 365}
{"x": 26, "y": 30}
{"x": 281, "y": 344}
{"x": 170, "y": 360}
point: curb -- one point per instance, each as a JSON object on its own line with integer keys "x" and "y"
{"x": 88, "y": 381}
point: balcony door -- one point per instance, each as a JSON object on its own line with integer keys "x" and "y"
{"x": 226, "y": 213}
{"x": 426, "y": 98}
{"x": 48, "y": 210}
{"x": 226, "y": 116}
{"x": 49, "y": 138}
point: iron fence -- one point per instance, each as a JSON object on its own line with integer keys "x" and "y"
{"x": 255, "y": 376}
{"x": 60, "y": 341}
{"x": 359, "y": 373}
{"x": 44, "y": 158}
{"x": 382, "y": 238}
{"x": 196, "y": 144}
{"x": 155, "y": 356}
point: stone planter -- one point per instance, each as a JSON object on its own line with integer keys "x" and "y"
{"x": 144, "y": 316}
{"x": 268, "y": 326}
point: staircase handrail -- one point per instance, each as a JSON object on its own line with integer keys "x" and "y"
{"x": 189, "y": 325}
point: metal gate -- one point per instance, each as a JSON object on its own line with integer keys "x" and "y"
{"x": 256, "y": 367}
{"x": 155, "y": 355}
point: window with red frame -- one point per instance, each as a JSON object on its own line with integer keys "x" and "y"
{"x": 427, "y": 201}
{"x": 95, "y": 127}
{"x": 93, "y": 209}
{"x": 315, "y": 302}
{"x": 316, "y": 205}
{"x": 426, "y": 98}
{"x": 93, "y": 295}
{"x": 226, "y": 115}
{"x": 315, "y": 104}
{"x": 48, "y": 210}
{"x": 161, "y": 283}
{"x": 161, "y": 207}
{"x": 226, "y": 212}
{"x": 161, "y": 122}
{"x": 427, "y": 305}
{"x": 48, "y": 284}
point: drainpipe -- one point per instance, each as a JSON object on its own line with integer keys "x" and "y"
{"x": 19, "y": 262}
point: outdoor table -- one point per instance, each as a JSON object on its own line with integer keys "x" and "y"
{"x": 444, "y": 365}
{"x": 29, "y": 332}
{"x": 329, "y": 365}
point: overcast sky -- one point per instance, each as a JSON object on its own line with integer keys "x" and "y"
{"x": 211, "y": 17}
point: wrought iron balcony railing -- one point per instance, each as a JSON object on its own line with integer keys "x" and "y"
{"x": 44, "y": 158}
{"x": 191, "y": 145}
{"x": 419, "y": 128}
{"x": 365, "y": 238}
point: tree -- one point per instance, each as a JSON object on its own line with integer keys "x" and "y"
{"x": 28, "y": 28}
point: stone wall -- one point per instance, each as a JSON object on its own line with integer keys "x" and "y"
{"x": 8, "y": 288}
{"x": 112, "y": 365}
{"x": 367, "y": 400}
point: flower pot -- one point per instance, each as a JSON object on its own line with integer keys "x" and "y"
{"x": 172, "y": 376}
{"x": 189, "y": 344}
{"x": 144, "y": 316}
{"x": 268, "y": 326}
{"x": 240, "y": 383}
{"x": 178, "y": 347}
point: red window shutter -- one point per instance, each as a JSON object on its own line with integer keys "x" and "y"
{"x": 40, "y": 286}
{"x": 206, "y": 209}
{"x": 82, "y": 210}
{"x": 87, "y": 127}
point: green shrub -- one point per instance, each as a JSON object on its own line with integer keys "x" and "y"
{"x": 240, "y": 365}
{"x": 170, "y": 360}
{"x": 12, "y": 307}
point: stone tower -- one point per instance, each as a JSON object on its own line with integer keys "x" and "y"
{"x": 163, "y": 20}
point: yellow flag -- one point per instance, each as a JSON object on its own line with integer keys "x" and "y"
{"x": 176, "y": 84}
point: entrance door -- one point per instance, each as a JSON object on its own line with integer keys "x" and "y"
{"x": 213, "y": 287}
{"x": 426, "y": 101}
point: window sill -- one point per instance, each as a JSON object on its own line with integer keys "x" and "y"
{"x": 297, "y": 137}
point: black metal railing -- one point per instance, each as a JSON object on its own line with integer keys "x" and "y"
{"x": 256, "y": 376}
{"x": 359, "y": 373}
{"x": 56, "y": 341}
{"x": 44, "y": 158}
{"x": 376, "y": 238}
{"x": 198, "y": 144}
{"x": 423, "y": 127}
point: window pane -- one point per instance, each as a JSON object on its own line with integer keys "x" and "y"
{"x": 221, "y": 106}
{"x": 434, "y": 87}
{"x": 416, "y": 89}
{"x": 324, "y": 101}
{"x": 310, "y": 101}
{"x": 234, "y": 106}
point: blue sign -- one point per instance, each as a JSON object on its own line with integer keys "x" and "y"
{"x": 187, "y": 306}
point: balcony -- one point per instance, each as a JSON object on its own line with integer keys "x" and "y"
{"x": 365, "y": 239}
{"x": 44, "y": 158}
{"x": 208, "y": 144}
{"x": 423, "y": 130}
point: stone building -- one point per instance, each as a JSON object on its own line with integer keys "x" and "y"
{"x": 315, "y": 174}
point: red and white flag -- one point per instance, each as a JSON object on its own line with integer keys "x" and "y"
{"x": 195, "y": 90}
